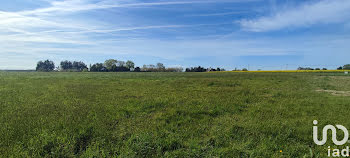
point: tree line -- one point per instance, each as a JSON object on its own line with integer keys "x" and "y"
{"x": 113, "y": 65}
{"x": 110, "y": 65}
{"x": 202, "y": 69}
{"x": 345, "y": 67}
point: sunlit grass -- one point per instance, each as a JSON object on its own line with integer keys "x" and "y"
{"x": 167, "y": 114}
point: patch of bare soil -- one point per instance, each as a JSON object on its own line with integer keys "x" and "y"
{"x": 336, "y": 93}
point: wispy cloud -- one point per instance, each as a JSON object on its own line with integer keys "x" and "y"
{"x": 148, "y": 27}
{"x": 68, "y": 6}
{"x": 43, "y": 25}
{"x": 218, "y": 14}
{"x": 321, "y": 12}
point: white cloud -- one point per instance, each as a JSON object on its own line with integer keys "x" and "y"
{"x": 321, "y": 12}
{"x": 218, "y": 14}
{"x": 68, "y": 6}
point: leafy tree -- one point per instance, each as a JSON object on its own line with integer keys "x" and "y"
{"x": 113, "y": 69}
{"x": 121, "y": 64}
{"x": 66, "y": 65}
{"x": 346, "y": 67}
{"x": 122, "y": 69}
{"x": 110, "y": 63}
{"x": 130, "y": 64}
{"x": 47, "y": 66}
{"x": 160, "y": 67}
{"x": 79, "y": 66}
{"x": 113, "y": 65}
{"x": 340, "y": 68}
{"x": 98, "y": 67}
{"x": 73, "y": 66}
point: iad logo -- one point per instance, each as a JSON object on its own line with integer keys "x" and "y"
{"x": 334, "y": 134}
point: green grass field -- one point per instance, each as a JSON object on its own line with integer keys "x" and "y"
{"x": 168, "y": 114}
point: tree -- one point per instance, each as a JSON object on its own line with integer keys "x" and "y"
{"x": 113, "y": 69}
{"x": 109, "y": 64}
{"x": 346, "y": 67}
{"x": 130, "y": 64}
{"x": 79, "y": 66}
{"x": 47, "y": 66}
{"x": 122, "y": 66}
{"x": 73, "y": 66}
{"x": 98, "y": 67}
{"x": 174, "y": 69}
{"x": 196, "y": 69}
{"x": 122, "y": 69}
{"x": 149, "y": 68}
{"x": 160, "y": 67}
{"x": 340, "y": 68}
{"x": 66, "y": 65}
{"x": 305, "y": 68}
{"x": 120, "y": 63}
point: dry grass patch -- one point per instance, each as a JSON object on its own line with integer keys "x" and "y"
{"x": 336, "y": 93}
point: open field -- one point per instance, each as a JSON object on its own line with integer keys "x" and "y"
{"x": 168, "y": 114}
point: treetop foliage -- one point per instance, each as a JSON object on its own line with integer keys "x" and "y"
{"x": 46, "y": 66}
{"x": 72, "y": 66}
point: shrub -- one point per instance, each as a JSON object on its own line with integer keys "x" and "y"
{"x": 137, "y": 69}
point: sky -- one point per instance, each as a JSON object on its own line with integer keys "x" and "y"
{"x": 254, "y": 34}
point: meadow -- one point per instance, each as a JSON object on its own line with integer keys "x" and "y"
{"x": 257, "y": 114}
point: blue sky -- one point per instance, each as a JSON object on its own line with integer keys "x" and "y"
{"x": 261, "y": 34}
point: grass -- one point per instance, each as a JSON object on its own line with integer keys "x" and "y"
{"x": 167, "y": 114}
